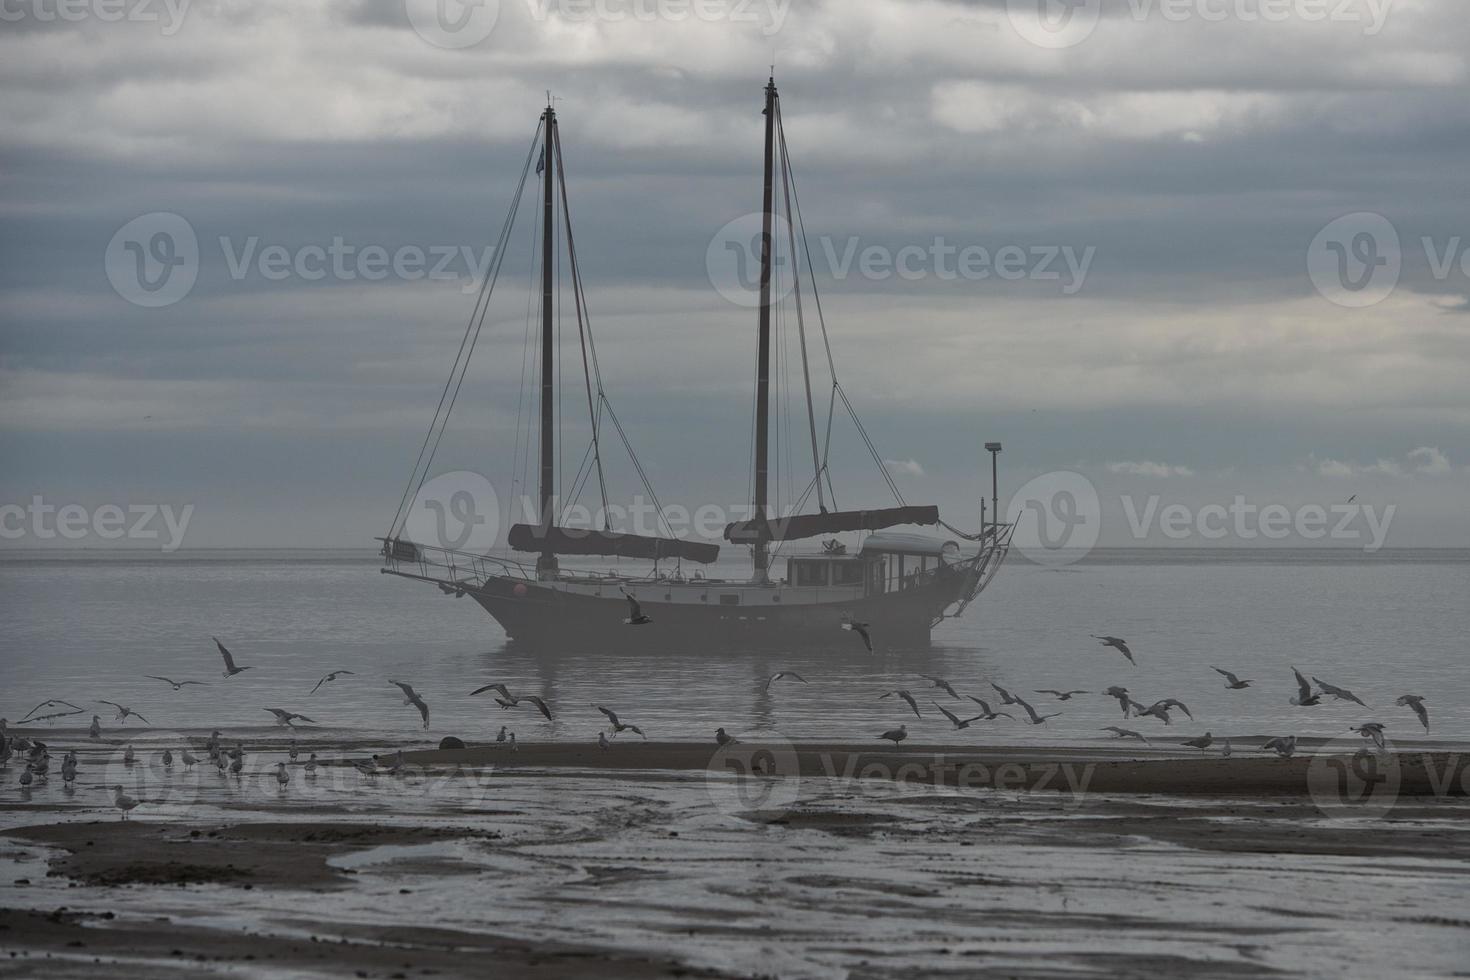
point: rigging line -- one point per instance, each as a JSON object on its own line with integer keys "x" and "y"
{"x": 483, "y": 298}
{"x": 638, "y": 465}
{"x": 898, "y": 495}
{"x": 582, "y": 327}
{"x": 811, "y": 416}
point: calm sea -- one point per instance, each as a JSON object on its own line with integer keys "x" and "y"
{"x": 87, "y": 625}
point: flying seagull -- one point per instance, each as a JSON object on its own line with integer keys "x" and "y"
{"x": 907, "y": 697}
{"x": 896, "y": 735}
{"x": 1416, "y": 702}
{"x": 1370, "y": 729}
{"x": 52, "y": 716}
{"x": 327, "y": 679}
{"x": 1126, "y": 733}
{"x": 287, "y": 717}
{"x": 1231, "y": 681}
{"x": 617, "y": 725}
{"x": 540, "y": 704}
{"x": 230, "y": 669}
{"x": 1201, "y": 743}
{"x": 176, "y": 685}
{"x": 410, "y": 696}
{"x": 989, "y": 715}
{"x": 48, "y": 704}
{"x": 1060, "y": 695}
{"x": 942, "y": 684}
{"x": 1032, "y": 716}
{"x": 1338, "y": 693}
{"x": 123, "y": 713}
{"x": 1282, "y": 745}
{"x": 1116, "y": 644}
{"x": 1006, "y": 697}
{"x": 1121, "y": 693}
{"x": 784, "y": 673}
{"x": 1304, "y": 696}
{"x": 861, "y": 629}
{"x": 635, "y": 612}
{"x": 504, "y": 691}
{"x": 1160, "y": 710}
{"x": 955, "y": 719}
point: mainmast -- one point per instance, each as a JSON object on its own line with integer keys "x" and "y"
{"x": 763, "y": 354}
{"x": 546, "y": 563}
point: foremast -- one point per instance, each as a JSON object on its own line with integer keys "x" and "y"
{"x": 761, "y": 553}
{"x": 546, "y": 565}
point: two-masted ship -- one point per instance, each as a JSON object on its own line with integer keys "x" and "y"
{"x": 896, "y": 585}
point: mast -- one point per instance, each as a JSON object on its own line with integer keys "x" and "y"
{"x": 546, "y": 563}
{"x": 763, "y": 352}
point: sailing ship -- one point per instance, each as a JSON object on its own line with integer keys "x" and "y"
{"x": 894, "y": 586}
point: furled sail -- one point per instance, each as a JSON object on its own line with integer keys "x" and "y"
{"x": 811, "y": 525}
{"x": 585, "y": 541}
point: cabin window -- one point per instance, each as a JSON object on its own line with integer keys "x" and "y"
{"x": 847, "y": 573}
{"x": 809, "y": 573}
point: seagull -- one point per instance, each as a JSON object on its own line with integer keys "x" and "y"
{"x": 1225, "y": 749}
{"x": 1160, "y": 710}
{"x": 954, "y": 719}
{"x": 1338, "y": 693}
{"x": 366, "y": 766}
{"x": 504, "y": 691}
{"x": 1370, "y": 729}
{"x": 168, "y": 758}
{"x": 942, "y": 684}
{"x": 327, "y": 679}
{"x": 907, "y": 697}
{"x": 1231, "y": 681}
{"x": 540, "y": 704}
{"x": 1282, "y": 745}
{"x": 1201, "y": 743}
{"x": 896, "y": 735}
{"x": 230, "y": 669}
{"x": 1121, "y": 693}
{"x": 410, "y": 696}
{"x": 96, "y": 730}
{"x": 282, "y": 776}
{"x": 602, "y": 739}
{"x": 618, "y": 726}
{"x": 56, "y": 702}
{"x": 1116, "y": 644}
{"x": 1304, "y": 697}
{"x": 123, "y": 713}
{"x": 26, "y": 777}
{"x": 722, "y": 739}
{"x": 501, "y": 736}
{"x": 1416, "y": 702}
{"x": 1126, "y": 733}
{"x": 1032, "y": 716}
{"x": 176, "y": 685}
{"x": 286, "y": 718}
{"x": 988, "y": 714}
{"x": 310, "y": 766}
{"x": 188, "y": 758}
{"x": 237, "y": 764}
{"x": 861, "y": 629}
{"x": 122, "y": 801}
{"x": 128, "y": 756}
{"x": 784, "y": 673}
{"x": 513, "y": 739}
{"x": 635, "y": 611}
{"x": 291, "y": 754}
{"x": 1006, "y": 697}
{"x": 1060, "y": 695}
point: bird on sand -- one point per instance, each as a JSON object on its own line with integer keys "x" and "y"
{"x": 896, "y": 735}
{"x": 410, "y": 696}
{"x": 366, "y": 766}
{"x": 861, "y": 629}
{"x": 955, "y": 719}
{"x": 778, "y": 675}
{"x": 500, "y": 737}
{"x": 1416, "y": 702}
{"x": 1338, "y": 693}
{"x": 1225, "y": 749}
{"x": 907, "y": 697}
{"x": 1126, "y": 733}
{"x": 128, "y": 756}
{"x": 617, "y": 725}
{"x": 327, "y": 679}
{"x": 282, "y": 776}
{"x": 635, "y": 611}
{"x": 1370, "y": 729}
{"x": 1006, "y": 697}
{"x": 124, "y": 713}
{"x": 122, "y": 801}
{"x": 723, "y": 738}
{"x": 602, "y": 739}
{"x": 1233, "y": 682}
{"x": 1282, "y": 745}
{"x": 504, "y": 691}
{"x": 513, "y": 739}
{"x": 1304, "y": 696}
{"x": 1059, "y": 695}
{"x": 53, "y": 703}
{"x": 1031, "y": 716}
{"x": 26, "y": 778}
{"x": 284, "y": 717}
{"x": 1121, "y": 693}
{"x": 1202, "y": 742}
{"x": 168, "y": 758}
{"x": 95, "y": 731}
{"x": 1116, "y": 644}
{"x": 188, "y": 758}
{"x": 230, "y": 668}
{"x": 1161, "y": 709}
{"x": 987, "y": 714}
{"x": 176, "y": 685}
{"x": 310, "y": 766}
{"x": 942, "y": 684}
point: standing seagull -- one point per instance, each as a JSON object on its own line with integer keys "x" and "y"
{"x": 176, "y": 685}
{"x": 896, "y": 735}
{"x": 987, "y": 714}
{"x": 778, "y": 675}
{"x": 96, "y": 730}
{"x": 602, "y": 740}
{"x": 282, "y": 776}
{"x": 861, "y": 629}
{"x": 1201, "y": 743}
{"x": 1416, "y": 702}
{"x": 635, "y": 611}
{"x": 123, "y": 713}
{"x": 1282, "y": 745}
{"x": 723, "y": 738}
{"x": 286, "y": 718}
{"x": 1304, "y": 696}
{"x": 230, "y": 669}
{"x": 410, "y": 696}
{"x": 1031, "y": 714}
{"x": 1116, "y": 644}
{"x": 1231, "y": 681}
{"x": 618, "y": 726}
{"x": 907, "y": 697}
{"x": 1338, "y": 693}
{"x": 122, "y": 801}
{"x": 327, "y": 679}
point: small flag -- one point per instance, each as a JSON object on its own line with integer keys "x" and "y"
{"x": 541, "y": 162}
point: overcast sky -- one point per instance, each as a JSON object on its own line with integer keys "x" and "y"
{"x": 1237, "y": 244}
